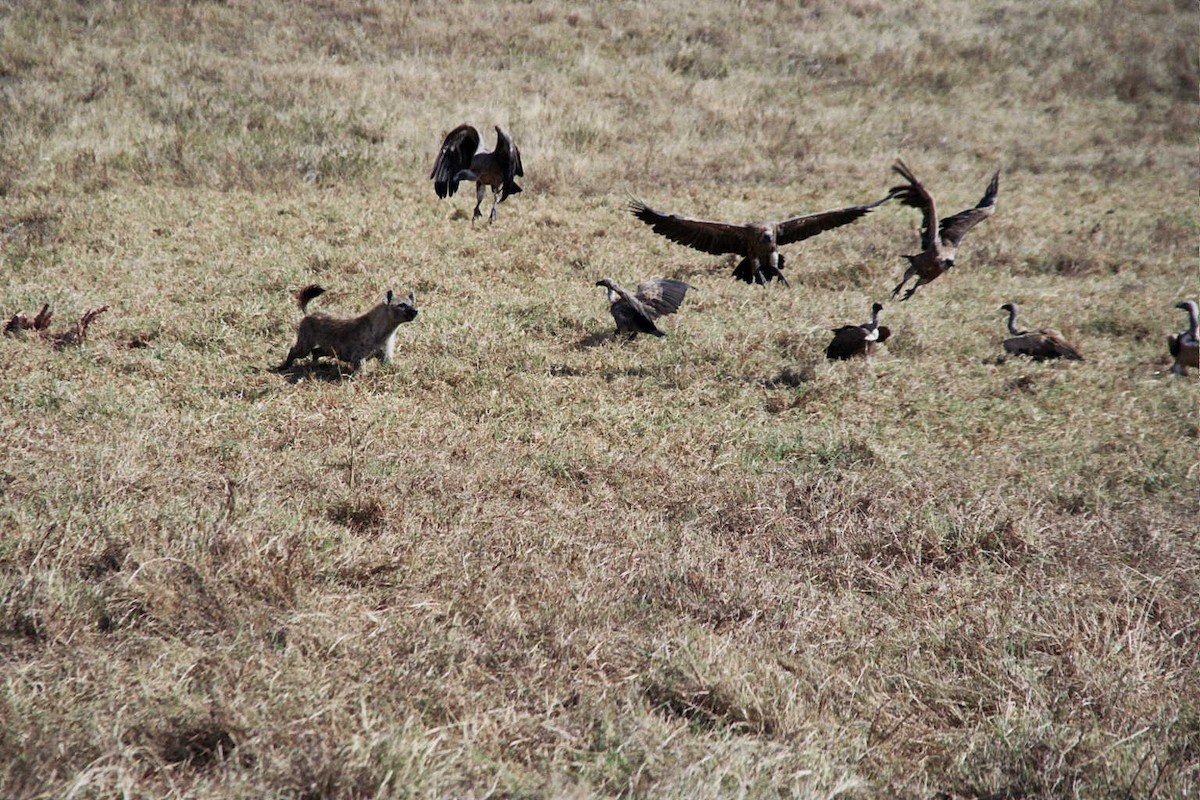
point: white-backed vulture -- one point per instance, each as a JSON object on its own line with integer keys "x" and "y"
{"x": 1041, "y": 344}
{"x": 757, "y": 242}
{"x": 939, "y": 238}
{"x": 635, "y": 313}
{"x": 1185, "y": 345}
{"x": 458, "y": 161}
{"x": 858, "y": 340}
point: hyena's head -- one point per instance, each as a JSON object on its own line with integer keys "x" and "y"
{"x": 399, "y": 309}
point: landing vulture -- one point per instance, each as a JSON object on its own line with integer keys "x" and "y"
{"x": 459, "y": 161}
{"x": 939, "y": 238}
{"x": 635, "y": 313}
{"x": 858, "y": 340}
{"x": 1040, "y": 344}
{"x": 757, "y": 242}
{"x": 1185, "y": 345}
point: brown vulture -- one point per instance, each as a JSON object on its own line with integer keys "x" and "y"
{"x": 459, "y": 161}
{"x": 858, "y": 340}
{"x": 757, "y": 243}
{"x": 635, "y": 313}
{"x": 1040, "y": 344}
{"x": 1185, "y": 345}
{"x": 939, "y": 238}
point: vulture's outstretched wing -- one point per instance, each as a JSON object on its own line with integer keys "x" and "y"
{"x": 799, "y": 228}
{"x": 458, "y": 148}
{"x": 917, "y": 196}
{"x": 708, "y": 237}
{"x": 954, "y": 228}
{"x": 661, "y": 296}
{"x": 508, "y": 157}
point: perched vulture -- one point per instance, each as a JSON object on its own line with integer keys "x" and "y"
{"x": 939, "y": 238}
{"x": 1040, "y": 345}
{"x": 1185, "y": 345}
{"x": 858, "y": 340}
{"x": 459, "y": 161}
{"x": 757, "y": 242}
{"x": 635, "y": 313}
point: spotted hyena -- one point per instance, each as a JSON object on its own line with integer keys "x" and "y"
{"x": 353, "y": 339}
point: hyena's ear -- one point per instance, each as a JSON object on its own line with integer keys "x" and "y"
{"x": 387, "y": 298}
{"x": 412, "y": 300}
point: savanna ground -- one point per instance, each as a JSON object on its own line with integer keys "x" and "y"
{"x": 527, "y": 560}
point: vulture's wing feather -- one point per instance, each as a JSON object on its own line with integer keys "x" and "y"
{"x": 1040, "y": 345}
{"x": 799, "y": 228}
{"x": 848, "y": 340}
{"x": 850, "y": 333}
{"x": 512, "y": 156}
{"x": 661, "y": 296}
{"x": 954, "y": 228}
{"x": 458, "y": 148}
{"x": 631, "y": 317}
{"x": 508, "y": 160}
{"x": 702, "y": 235}
{"x": 917, "y": 196}
{"x": 1060, "y": 347}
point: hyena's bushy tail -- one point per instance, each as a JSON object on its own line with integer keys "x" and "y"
{"x": 306, "y": 295}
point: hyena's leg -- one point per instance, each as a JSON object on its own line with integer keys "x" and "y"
{"x": 388, "y": 350}
{"x": 292, "y": 355}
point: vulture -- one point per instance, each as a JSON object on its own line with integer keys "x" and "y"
{"x": 939, "y": 238}
{"x": 459, "y": 161}
{"x": 1040, "y": 344}
{"x": 858, "y": 340}
{"x": 757, "y": 243}
{"x": 1185, "y": 345}
{"x": 635, "y": 313}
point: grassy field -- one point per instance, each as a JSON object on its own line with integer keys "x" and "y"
{"x": 527, "y": 560}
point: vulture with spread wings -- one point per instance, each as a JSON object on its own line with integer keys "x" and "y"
{"x": 757, "y": 242}
{"x": 1041, "y": 344}
{"x": 458, "y": 161}
{"x": 939, "y": 238}
{"x": 635, "y": 313}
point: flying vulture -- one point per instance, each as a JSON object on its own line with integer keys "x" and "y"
{"x": 635, "y": 313}
{"x": 1185, "y": 345}
{"x": 459, "y": 161}
{"x": 1040, "y": 344}
{"x": 757, "y": 242}
{"x": 939, "y": 238}
{"x": 858, "y": 340}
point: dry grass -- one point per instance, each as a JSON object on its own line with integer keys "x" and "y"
{"x": 527, "y": 560}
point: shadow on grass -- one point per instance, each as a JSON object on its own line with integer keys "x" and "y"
{"x": 329, "y": 371}
{"x": 598, "y": 338}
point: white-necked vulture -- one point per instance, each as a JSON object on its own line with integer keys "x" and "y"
{"x": 939, "y": 238}
{"x": 459, "y": 161}
{"x": 635, "y": 313}
{"x": 858, "y": 340}
{"x": 757, "y": 242}
{"x": 1185, "y": 345}
{"x": 1041, "y": 344}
